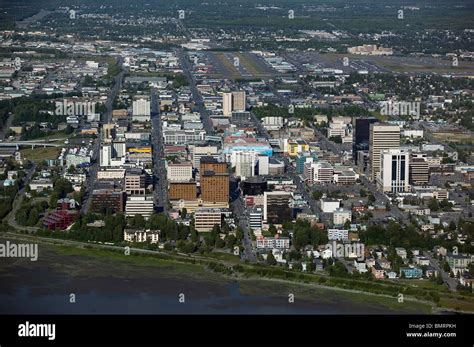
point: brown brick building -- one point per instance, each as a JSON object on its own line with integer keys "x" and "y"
{"x": 182, "y": 190}
{"x": 107, "y": 200}
{"x": 214, "y": 187}
{"x": 212, "y": 164}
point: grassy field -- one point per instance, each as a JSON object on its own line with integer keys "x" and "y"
{"x": 232, "y": 72}
{"x": 308, "y": 291}
{"x": 458, "y": 138}
{"x": 251, "y": 67}
{"x": 39, "y": 153}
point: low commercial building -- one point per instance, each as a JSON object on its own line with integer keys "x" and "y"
{"x": 341, "y": 216}
{"x": 206, "y": 218}
{"x": 139, "y": 205}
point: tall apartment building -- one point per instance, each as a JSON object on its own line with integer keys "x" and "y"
{"x": 179, "y": 172}
{"x": 382, "y": 137}
{"x": 394, "y": 171}
{"x": 142, "y": 205}
{"x": 276, "y": 209}
{"x": 182, "y": 191}
{"x": 206, "y": 218}
{"x": 135, "y": 181}
{"x": 234, "y": 101}
{"x": 214, "y": 187}
{"x": 419, "y": 169}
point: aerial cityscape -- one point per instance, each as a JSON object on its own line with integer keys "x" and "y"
{"x": 244, "y": 157}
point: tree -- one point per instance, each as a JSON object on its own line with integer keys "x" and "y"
{"x": 433, "y": 204}
{"x": 272, "y": 229}
{"x": 317, "y": 195}
{"x": 239, "y": 234}
{"x": 230, "y": 241}
{"x": 219, "y": 242}
{"x": 184, "y": 212}
{"x": 71, "y": 169}
{"x": 271, "y": 259}
{"x": 371, "y": 198}
{"x": 363, "y": 193}
{"x": 452, "y": 226}
{"x": 347, "y": 225}
{"x": 138, "y": 221}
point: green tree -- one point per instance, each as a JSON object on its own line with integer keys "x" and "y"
{"x": 433, "y": 205}
{"x": 271, "y": 259}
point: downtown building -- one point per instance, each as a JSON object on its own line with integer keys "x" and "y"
{"x": 139, "y": 205}
{"x": 276, "y": 207}
{"x": 361, "y": 135}
{"x": 394, "y": 171}
{"x": 206, "y": 218}
{"x": 141, "y": 110}
{"x": 382, "y": 137}
{"x": 419, "y": 169}
{"x": 215, "y": 187}
{"x": 233, "y": 102}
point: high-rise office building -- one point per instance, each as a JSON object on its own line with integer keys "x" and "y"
{"x": 209, "y": 163}
{"x": 419, "y": 169}
{"x": 382, "y": 137}
{"x": 179, "y": 172}
{"x": 235, "y": 101}
{"x": 227, "y": 104}
{"x": 263, "y": 163}
{"x": 199, "y": 152}
{"x": 245, "y": 164}
{"x": 105, "y": 155}
{"x": 182, "y": 191}
{"x": 135, "y": 180}
{"x": 214, "y": 187}
{"x": 361, "y": 135}
{"x": 141, "y": 107}
{"x": 141, "y": 110}
{"x": 238, "y": 101}
{"x": 276, "y": 209}
{"x": 394, "y": 171}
